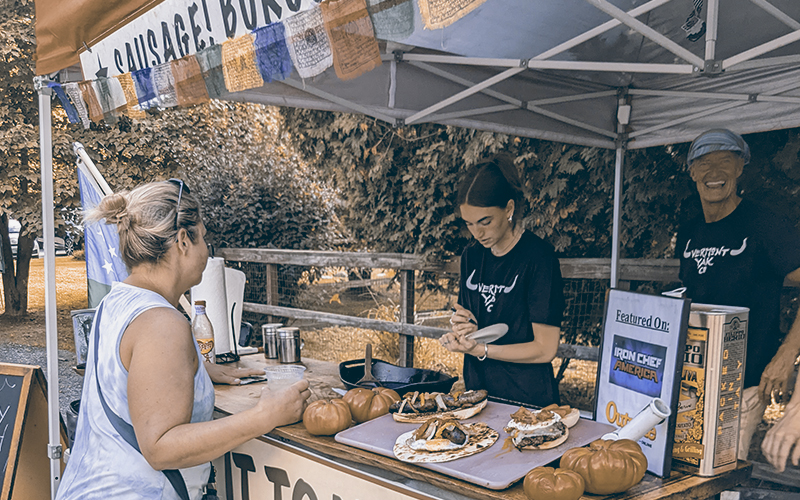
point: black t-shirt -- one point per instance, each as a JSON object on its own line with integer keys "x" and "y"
{"x": 522, "y": 287}
{"x": 742, "y": 260}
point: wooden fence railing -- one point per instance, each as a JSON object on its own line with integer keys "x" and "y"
{"x": 665, "y": 270}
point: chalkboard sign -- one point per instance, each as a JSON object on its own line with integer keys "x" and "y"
{"x": 24, "y": 464}
{"x": 10, "y": 391}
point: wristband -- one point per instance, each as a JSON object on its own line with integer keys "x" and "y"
{"x": 485, "y": 352}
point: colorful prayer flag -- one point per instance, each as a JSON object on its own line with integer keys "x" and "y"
{"x": 90, "y": 98}
{"x": 239, "y": 64}
{"x": 272, "y": 55}
{"x": 308, "y": 43}
{"x": 442, "y": 13}
{"x": 391, "y": 19}
{"x": 164, "y": 83}
{"x": 355, "y": 49}
{"x": 132, "y": 108}
{"x": 76, "y": 96}
{"x": 210, "y": 61}
{"x": 103, "y": 263}
{"x": 145, "y": 89}
{"x": 189, "y": 85}
{"x": 72, "y": 113}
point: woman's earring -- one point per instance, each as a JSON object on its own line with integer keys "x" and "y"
{"x": 510, "y": 218}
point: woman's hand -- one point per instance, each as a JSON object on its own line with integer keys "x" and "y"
{"x": 455, "y": 342}
{"x": 285, "y": 405}
{"x": 463, "y": 321}
{"x": 226, "y": 374}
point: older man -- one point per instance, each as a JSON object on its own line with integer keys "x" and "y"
{"x": 739, "y": 253}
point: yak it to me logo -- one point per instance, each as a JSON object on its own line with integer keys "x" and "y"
{"x": 489, "y": 292}
{"x": 704, "y": 257}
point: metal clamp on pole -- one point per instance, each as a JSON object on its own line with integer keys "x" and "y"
{"x": 54, "y": 451}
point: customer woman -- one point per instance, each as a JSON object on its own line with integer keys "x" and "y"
{"x": 508, "y": 275}
{"x": 146, "y": 364}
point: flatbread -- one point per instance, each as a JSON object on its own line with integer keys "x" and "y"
{"x": 480, "y": 437}
{"x": 459, "y": 414}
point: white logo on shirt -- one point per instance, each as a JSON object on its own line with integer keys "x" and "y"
{"x": 704, "y": 257}
{"x": 489, "y": 292}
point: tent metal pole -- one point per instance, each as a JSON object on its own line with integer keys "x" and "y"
{"x": 608, "y": 25}
{"x": 646, "y": 31}
{"x": 713, "y": 110}
{"x": 468, "y": 61}
{"x": 54, "y": 450}
{"x": 761, "y": 49}
{"x": 338, "y": 100}
{"x": 674, "y": 69}
{"x": 714, "y": 95}
{"x": 617, "y": 215}
{"x": 570, "y": 121}
{"x": 777, "y": 14}
{"x": 470, "y": 112}
{"x": 712, "y": 23}
{"x": 465, "y": 93}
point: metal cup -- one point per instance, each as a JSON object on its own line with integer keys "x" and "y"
{"x": 289, "y": 345}
{"x": 269, "y": 334}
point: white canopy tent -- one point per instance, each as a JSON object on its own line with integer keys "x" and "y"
{"x": 615, "y": 74}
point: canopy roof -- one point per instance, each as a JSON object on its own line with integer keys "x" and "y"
{"x": 550, "y": 70}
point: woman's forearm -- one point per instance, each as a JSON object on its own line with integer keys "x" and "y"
{"x": 541, "y": 350}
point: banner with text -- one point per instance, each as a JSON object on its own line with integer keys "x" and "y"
{"x": 177, "y": 28}
{"x": 641, "y": 357}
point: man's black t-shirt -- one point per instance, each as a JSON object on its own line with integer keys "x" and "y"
{"x": 522, "y": 287}
{"x": 742, "y": 260}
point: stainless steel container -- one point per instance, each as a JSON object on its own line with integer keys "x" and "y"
{"x": 269, "y": 334}
{"x": 289, "y": 345}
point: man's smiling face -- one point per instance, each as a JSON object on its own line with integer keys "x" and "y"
{"x": 715, "y": 175}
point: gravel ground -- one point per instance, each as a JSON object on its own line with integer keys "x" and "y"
{"x": 69, "y": 382}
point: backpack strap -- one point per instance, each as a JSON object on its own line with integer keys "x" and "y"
{"x": 122, "y": 427}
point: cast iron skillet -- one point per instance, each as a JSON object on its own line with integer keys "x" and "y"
{"x": 400, "y": 379}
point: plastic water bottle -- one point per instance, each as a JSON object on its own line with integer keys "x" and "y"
{"x": 203, "y": 331}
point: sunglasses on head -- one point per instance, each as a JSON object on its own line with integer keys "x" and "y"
{"x": 182, "y": 185}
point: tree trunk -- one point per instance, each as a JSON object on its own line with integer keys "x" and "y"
{"x": 15, "y": 277}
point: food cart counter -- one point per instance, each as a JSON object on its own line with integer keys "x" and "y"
{"x": 292, "y": 464}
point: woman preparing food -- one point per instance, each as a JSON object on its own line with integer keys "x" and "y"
{"x": 510, "y": 276}
{"x": 145, "y": 384}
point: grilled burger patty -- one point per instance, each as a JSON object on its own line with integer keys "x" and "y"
{"x": 549, "y": 433}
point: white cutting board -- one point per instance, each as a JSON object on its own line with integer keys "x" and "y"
{"x": 492, "y": 468}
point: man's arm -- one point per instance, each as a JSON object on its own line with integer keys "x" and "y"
{"x": 777, "y": 372}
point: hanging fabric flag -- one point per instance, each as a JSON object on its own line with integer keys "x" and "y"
{"x": 72, "y": 113}
{"x": 272, "y": 55}
{"x": 111, "y": 97}
{"x": 101, "y": 242}
{"x": 145, "y": 90}
{"x": 391, "y": 19}
{"x": 132, "y": 109}
{"x": 92, "y": 104}
{"x": 189, "y": 85}
{"x": 239, "y": 64}
{"x": 76, "y": 96}
{"x": 164, "y": 83}
{"x": 355, "y": 49}
{"x": 210, "y": 61}
{"x": 308, "y": 43}
{"x": 442, "y": 13}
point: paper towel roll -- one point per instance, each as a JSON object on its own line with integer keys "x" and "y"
{"x": 212, "y": 289}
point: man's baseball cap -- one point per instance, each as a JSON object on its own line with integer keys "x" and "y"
{"x": 718, "y": 139}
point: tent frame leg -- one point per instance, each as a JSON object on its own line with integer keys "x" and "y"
{"x": 54, "y": 450}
